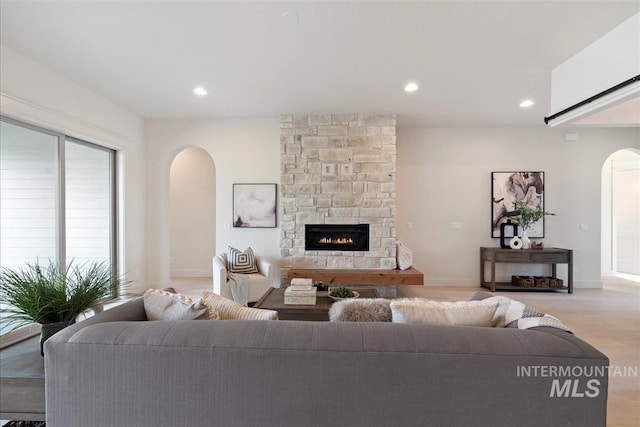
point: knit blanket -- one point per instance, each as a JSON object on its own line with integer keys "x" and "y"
{"x": 239, "y": 284}
{"x": 515, "y": 314}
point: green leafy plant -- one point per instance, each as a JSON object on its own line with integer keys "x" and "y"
{"x": 527, "y": 216}
{"x": 342, "y": 292}
{"x": 53, "y": 293}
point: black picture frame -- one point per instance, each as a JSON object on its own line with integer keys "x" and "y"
{"x": 255, "y": 205}
{"x": 506, "y": 187}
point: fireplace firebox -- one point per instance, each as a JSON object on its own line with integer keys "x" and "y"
{"x": 336, "y": 237}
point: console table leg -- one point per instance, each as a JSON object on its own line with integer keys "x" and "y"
{"x": 570, "y": 272}
{"x": 493, "y": 276}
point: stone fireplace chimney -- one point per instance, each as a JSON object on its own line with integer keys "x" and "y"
{"x": 338, "y": 169}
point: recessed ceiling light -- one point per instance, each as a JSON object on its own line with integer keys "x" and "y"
{"x": 526, "y": 103}
{"x": 411, "y": 87}
{"x": 200, "y": 91}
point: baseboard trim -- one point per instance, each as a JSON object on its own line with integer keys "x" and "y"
{"x": 588, "y": 284}
{"x": 191, "y": 273}
{"x": 429, "y": 281}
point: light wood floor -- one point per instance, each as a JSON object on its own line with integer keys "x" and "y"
{"x": 608, "y": 319}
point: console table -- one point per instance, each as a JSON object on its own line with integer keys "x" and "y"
{"x": 550, "y": 256}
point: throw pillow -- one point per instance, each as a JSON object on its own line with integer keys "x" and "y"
{"x": 404, "y": 256}
{"x": 231, "y": 310}
{"x": 241, "y": 262}
{"x": 461, "y": 313}
{"x": 361, "y": 310}
{"x": 162, "y": 305}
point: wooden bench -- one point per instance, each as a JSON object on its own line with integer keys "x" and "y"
{"x": 411, "y": 276}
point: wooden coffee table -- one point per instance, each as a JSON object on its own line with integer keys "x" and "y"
{"x": 22, "y": 381}
{"x": 274, "y": 300}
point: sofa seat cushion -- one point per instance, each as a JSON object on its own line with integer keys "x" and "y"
{"x": 460, "y": 313}
{"x": 231, "y": 310}
{"x": 162, "y": 305}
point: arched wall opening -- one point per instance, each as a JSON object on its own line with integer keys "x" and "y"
{"x": 621, "y": 215}
{"x": 192, "y": 210}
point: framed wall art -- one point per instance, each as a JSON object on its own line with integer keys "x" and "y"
{"x": 506, "y": 187}
{"x": 254, "y": 205}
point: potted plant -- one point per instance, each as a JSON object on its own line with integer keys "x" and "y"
{"x": 526, "y": 216}
{"x": 53, "y": 295}
{"x": 342, "y": 292}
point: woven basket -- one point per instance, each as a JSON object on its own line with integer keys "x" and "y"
{"x": 523, "y": 281}
{"x": 555, "y": 283}
{"x": 541, "y": 281}
{"x": 548, "y": 282}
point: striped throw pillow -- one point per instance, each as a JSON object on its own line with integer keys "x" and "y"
{"x": 241, "y": 262}
{"x": 231, "y": 310}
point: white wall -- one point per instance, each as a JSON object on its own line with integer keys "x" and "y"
{"x": 444, "y": 177}
{"x": 243, "y": 151}
{"x": 193, "y": 214}
{"x": 39, "y": 96}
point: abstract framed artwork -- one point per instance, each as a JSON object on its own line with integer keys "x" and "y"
{"x": 254, "y": 205}
{"x": 506, "y": 187}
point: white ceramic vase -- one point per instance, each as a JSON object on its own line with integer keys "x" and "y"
{"x": 526, "y": 243}
{"x": 515, "y": 243}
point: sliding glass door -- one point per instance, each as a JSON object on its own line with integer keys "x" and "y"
{"x": 57, "y": 198}
{"x": 89, "y": 202}
{"x": 29, "y": 195}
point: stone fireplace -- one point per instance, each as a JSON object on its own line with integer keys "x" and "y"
{"x": 337, "y": 169}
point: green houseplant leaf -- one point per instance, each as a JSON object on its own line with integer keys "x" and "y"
{"x": 342, "y": 292}
{"x": 526, "y": 215}
{"x": 53, "y": 293}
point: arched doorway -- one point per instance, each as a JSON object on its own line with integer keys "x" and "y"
{"x": 192, "y": 211}
{"x": 621, "y": 215}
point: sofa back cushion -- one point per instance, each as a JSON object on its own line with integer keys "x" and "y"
{"x": 231, "y": 310}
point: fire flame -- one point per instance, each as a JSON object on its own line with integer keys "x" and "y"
{"x": 336, "y": 240}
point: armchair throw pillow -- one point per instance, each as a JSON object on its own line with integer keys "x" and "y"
{"x": 241, "y": 262}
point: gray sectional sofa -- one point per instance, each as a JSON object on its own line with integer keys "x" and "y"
{"x": 117, "y": 369}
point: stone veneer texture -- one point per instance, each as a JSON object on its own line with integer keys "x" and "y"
{"x": 338, "y": 169}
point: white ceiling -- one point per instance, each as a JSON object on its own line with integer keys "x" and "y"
{"x": 474, "y": 60}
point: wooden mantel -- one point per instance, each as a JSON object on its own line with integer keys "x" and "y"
{"x": 411, "y": 276}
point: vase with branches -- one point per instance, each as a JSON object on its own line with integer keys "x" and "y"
{"x": 526, "y": 216}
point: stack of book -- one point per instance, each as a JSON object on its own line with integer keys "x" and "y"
{"x": 300, "y": 291}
